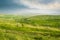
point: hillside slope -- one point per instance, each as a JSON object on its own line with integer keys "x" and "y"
{"x": 32, "y": 28}
{"x": 45, "y": 20}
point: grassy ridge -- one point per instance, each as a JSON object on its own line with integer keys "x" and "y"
{"x": 14, "y": 27}
{"x": 46, "y": 20}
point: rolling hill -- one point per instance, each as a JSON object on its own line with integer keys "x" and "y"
{"x": 40, "y": 27}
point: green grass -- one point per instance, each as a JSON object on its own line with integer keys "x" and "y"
{"x": 45, "y": 20}
{"x": 41, "y": 27}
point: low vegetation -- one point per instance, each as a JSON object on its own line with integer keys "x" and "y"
{"x": 41, "y": 27}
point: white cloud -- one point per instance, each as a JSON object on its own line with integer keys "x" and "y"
{"x": 34, "y": 4}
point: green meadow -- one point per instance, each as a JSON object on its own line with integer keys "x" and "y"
{"x": 40, "y": 27}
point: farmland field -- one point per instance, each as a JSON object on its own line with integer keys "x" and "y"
{"x": 40, "y": 27}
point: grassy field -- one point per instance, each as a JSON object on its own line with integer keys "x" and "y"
{"x": 41, "y": 27}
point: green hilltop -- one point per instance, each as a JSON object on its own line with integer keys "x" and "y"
{"x": 40, "y": 27}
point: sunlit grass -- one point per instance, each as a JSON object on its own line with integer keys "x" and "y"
{"x": 14, "y": 27}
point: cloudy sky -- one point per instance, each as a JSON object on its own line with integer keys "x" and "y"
{"x": 30, "y": 6}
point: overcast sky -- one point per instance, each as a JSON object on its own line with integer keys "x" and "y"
{"x": 30, "y": 6}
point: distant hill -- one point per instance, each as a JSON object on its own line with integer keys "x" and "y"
{"x": 45, "y": 20}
